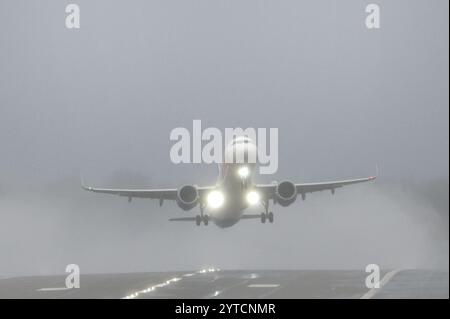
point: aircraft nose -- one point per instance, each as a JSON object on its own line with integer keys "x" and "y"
{"x": 245, "y": 153}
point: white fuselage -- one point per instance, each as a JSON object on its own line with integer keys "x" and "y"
{"x": 234, "y": 182}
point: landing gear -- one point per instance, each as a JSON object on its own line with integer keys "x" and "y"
{"x": 202, "y": 217}
{"x": 266, "y": 215}
{"x": 199, "y": 219}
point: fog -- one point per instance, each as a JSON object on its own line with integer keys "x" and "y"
{"x": 101, "y": 101}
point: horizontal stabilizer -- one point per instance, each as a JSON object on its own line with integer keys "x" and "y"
{"x": 251, "y": 216}
{"x": 182, "y": 219}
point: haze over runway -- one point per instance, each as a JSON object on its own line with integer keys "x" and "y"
{"x": 102, "y": 100}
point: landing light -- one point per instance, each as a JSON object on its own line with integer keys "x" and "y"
{"x": 243, "y": 172}
{"x": 215, "y": 199}
{"x": 253, "y": 198}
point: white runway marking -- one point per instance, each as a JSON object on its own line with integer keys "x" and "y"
{"x": 383, "y": 282}
{"x": 167, "y": 282}
{"x": 263, "y": 286}
{"x": 53, "y": 289}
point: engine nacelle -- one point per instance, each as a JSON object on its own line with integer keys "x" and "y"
{"x": 286, "y": 193}
{"x": 187, "y": 197}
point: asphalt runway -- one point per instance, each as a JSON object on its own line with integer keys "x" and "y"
{"x": 214, "y": 283}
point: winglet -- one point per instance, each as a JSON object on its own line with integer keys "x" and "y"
{"x": 83, "y": 186}
{"x": 376, "y": 173}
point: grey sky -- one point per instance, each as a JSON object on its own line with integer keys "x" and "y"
{"x": 104, "y": 98}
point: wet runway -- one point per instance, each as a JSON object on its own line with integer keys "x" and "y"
{"x": 214, "y": 283}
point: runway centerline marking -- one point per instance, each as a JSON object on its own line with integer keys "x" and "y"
{"x": 263, "y": 286}
{"x": 372, "y": 292}
{"x": 168, "y": 282}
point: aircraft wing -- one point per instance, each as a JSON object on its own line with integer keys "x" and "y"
{"x": 161, "y": 193}
{"x": 269, "y": 189}
{"x": 317, "y": 187}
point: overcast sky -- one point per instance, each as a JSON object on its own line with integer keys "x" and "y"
{"x": 104, "y": 98}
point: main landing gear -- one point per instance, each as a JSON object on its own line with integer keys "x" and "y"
{"x": 266, "y": 215}
{"x": 201, "y": 218}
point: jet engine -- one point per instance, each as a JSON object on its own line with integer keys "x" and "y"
{"x": 187, "y": 197}
{"x": 286, "y": 193}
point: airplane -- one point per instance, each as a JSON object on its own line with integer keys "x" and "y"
{"x": 225, "y": 202}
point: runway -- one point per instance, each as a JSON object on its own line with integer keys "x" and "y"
{"x": 234, "y": 284}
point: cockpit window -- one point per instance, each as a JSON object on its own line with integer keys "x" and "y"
{"x": 241, "y": 140}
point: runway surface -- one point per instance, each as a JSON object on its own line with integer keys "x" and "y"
{"x": 214, "y": 283}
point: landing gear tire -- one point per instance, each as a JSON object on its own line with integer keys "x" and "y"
{"x": 270, "y": 216}
{"x": 205, "y": 220}
{"x": 263, "y": 218}
{"x": 198, "y": 220}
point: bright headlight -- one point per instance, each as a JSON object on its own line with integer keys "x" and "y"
{"x": 253, "y": 198}
{"x": 243, "y": 171}
{"x": 215, "y": 199}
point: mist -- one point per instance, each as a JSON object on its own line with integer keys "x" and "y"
{"x": 101, "y": 102}
{"x": 390, "y": 225}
